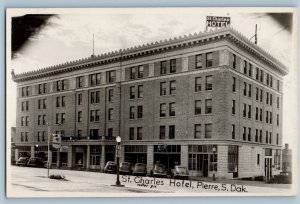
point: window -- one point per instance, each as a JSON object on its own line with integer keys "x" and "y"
{"x": 111, "y": 76}
{"x": 256, "y": 93}
{"x": 131, "y": 133}
{"x": 267, "y": 80}
{"x": 172, "y": 132}
{"x": 63, "y": 101}
{"x": 60, "y": 118}
{"x": 277, "y": 120}
{"x": 198, "y": 61}
{"x": 258, "y": 160}
{"x": 244, "y": 110}
{"x": 60, "y": 85}
{"x": 131, "y": 112}
{"x": 234, "y": 61}
{"x": 260, "y": 135}
{"x": 110, "y": 95}
{"x": 244, "y": 133}
{"x": 249, "y": 111}
{"x": 57, "y": 102}
{"x": 139, "y": 133}
{"x": 249, "y": 91}
{"x": 39, "y": 119}
{"x": 197, "y": 107}
{"x": 278, "y": 85}
{"x": 257, "y": 73}
{"x": 140, "y": 91}
{"x": 245, "y": 89}
{"x": 233, "y": 107}
{"x": 256, "y": 113}
{"x": 271, "y": 99}
{"x": 110, "y": 113}
{"x": 208, "y": 130}
{"x": 261, "y": 76}
{"x": 256, "y": 135}
{"x": 233, "y": 131}
{"x": 208, "y": 106}
{"x": 209, "y": 59}
{"x": 245, "y": 66}
{"x": 140, "y": 71}
{"x": 250, "y": 70}
{"x": 233, "y": 84}
{"x": 277, "y": 102}
{"x": 79, "y": 133}
{"x": 261, "y": 115}
{"x": 198, "y": 82}
{"x": 172, "y": 65}
{"x": 79, "y": 99}
{"x": 197, "y": 130}
{"x": 163, "y": 110}
{"x": 270, "y": 137}
{"x": 39, "y": 136}
{"x": 140, "y": 112}
{"x": 39, "y": 104}
{"x": 261, "y": 95}
{"x": 79, "y": 116}
{"x": 132, "y": 92}
{"x": 267, "y": 116}
{"x": 26, "y": 136}
{"x": 271, "y": 81}
{"x": 277, "y": 138}
{"x": 22, "y": 136}
{"x": 94, "y": 133}
{"x": 132, "y": 73}
{"x": 63, "y": 118}
{"x": 110, "y": 133}
{"x": 163, "y": 67}
{"x": 249, "y": 134}
{"x": 208, "y": 83}
{"x": 42, "y": 88}
{"x": 95, "y": 97}
{"x": 79, "y": 81}
{"x": 95, "y": 79}
{"x": 163, "y": 88}
{"x": 172, "y": 109}
{"x": 267, "y": 135}
{"x": 172, "y": 87}
{"x": 162, "y": 132}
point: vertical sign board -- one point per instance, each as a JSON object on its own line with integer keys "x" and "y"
{"x": 56, "y": 143}
{"x": 217, "y": 21}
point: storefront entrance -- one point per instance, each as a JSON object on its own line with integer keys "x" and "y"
{"x": 168, "y": 155}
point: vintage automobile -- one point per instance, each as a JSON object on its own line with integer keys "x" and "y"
{"x": 22, "y": 161}
{"x": 180, "y": 172}
{"x": 125, "y": 168}
{"x": 139, "y": 169}
{"x": 159, "y": 170}
{"x": 110, "y": 167}
{"x": 35, "y": 162}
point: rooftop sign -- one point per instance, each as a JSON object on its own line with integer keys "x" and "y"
{"x": 217, "y": 21}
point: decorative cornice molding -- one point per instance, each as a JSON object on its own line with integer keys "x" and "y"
{"x": 157, "y": 47}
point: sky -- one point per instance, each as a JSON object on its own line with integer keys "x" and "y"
{"x": 69, "y": 36}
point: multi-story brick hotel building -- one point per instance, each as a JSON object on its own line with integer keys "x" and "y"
{"x": 210, "y": 101}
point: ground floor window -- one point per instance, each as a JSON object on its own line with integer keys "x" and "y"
{"x": 232, "y": 158}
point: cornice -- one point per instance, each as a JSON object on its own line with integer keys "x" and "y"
{"x": 157, "y": 47}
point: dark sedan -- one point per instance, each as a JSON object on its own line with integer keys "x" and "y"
{"x": 125, "y": 168}
{"x": 110, "y": 167}
{"x": 22, "y": 161}
{"x": 159, "y": 170}
{"x": 35, "y": 162}
{"x": 140, "y": 169}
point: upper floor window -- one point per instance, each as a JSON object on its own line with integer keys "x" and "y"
{"x": 208, "y": 106}
{"x": 197, "y": 130}
{"x": 110, "y": 95}
{"x": 140, "y": 112}
{"x": 199, "y": 61}
{"x": 112, "y": 76}
{"x": 172, "y": 132}
{"x": 278, "y": 85}
{"x": 257, "y": 73}
{"x": 140, "y": 71}
{"x": 131, "y": 112}
{"x": 162, "y": 132}
{"x": 80, "y": 81}
{"x": 25, "y": 105}
{"x": 163, "y": 88}
{"x": 94, "y": 115}
{"x": 208, "y": 83}
{"x": 42, "y": 88}
{"x": 60, "y": 101}
{"x": 131, "y": 133}
{"x": 60, "y": 118}
{"x": 95, "y": 97}
{"x": 198, "y": 82}
{"x": 132, "y": 73}
{"x": 61, "y": 85}
{"x": 25, "y": 91}
{"x": 233, "y": 84}
{"x": 234, "y": 61}
{"x": 172, "y": 87}
{"x": 110, "y": 114}
{"x": 250, "y": 70}
{"x": 197, "y": 107}
{"x": 163, "y": 67}
{"x": 172, "y": 65}
{"x": 261, "y": 76}
{"x": 233, "y": 131}
{"x": 233, "y": 107}
{"x": 172, "y": 109}
{"x": 95, "y": 79}
{"x": 245, "y": 64}
{"x": 208, "y": 130}
{"x": 79, "y": 116}
{"x": 163, "y": 110}
{"x": 140, "y": 91}
{"x": 79, "y": 99}
{"x": 139, "y": 133}
{"x": 209, "y": 60}
{"x": 132, "y": 92}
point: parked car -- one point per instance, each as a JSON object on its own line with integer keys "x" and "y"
{"x": 110, "y": 167}
{"x": 282, "y": 178}
{"x": 159, "y": 170}
{"x": 22, "y": 161}
{"x": 35, "y": 162}
{"x": 125, "y": 168}
{"x": 139, "y": 169}
{"x": 180, "y": 172}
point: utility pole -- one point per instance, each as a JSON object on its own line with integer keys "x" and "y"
{"x": 48, "y": 161}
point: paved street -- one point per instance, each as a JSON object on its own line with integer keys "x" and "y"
{"x": 33, "y": 182}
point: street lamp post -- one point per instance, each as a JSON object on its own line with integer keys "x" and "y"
{"x": 214, "y": 149}
{"x": 37, "y": 149}
{"x": 118, "y": 148}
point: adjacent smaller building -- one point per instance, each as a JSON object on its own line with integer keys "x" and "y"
{"x": 286, "y": 159}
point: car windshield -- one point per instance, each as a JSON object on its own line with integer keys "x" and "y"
{"x": 181, "y": 169}
{"x": 159, "y": 166}
{"x": 139, "y": 165}
{"x": 125, "y": 164}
